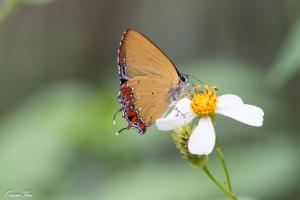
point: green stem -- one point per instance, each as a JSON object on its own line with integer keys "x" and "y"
{"x": 229, "y": 193}
{"x": 221, "y": 157}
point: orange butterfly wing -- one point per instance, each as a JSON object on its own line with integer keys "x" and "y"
{"x": 150, "y": 74}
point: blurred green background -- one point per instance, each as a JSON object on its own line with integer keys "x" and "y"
{"x": 59, "y": 85}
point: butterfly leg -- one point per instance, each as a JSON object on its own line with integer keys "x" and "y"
{"x": 178, "y": 112}
{"x": 174, "y": 107}
{"x": 117, "y": 133}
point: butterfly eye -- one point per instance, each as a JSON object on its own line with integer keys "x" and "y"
{"x": 183, "y": 78}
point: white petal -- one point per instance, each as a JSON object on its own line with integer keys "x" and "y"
{"x": 229, "y": 100}
{"x": 245, "y": 113}
{"x": 178, "y": 117}
{"x": 203, "y": 138}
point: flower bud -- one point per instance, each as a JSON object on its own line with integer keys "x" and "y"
{"x": 181, "y": 137}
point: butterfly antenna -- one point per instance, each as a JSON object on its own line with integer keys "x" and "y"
{"x": 114, "y": 118}
{"x": 195, "y": 78}
{"x": 117, "y": 133}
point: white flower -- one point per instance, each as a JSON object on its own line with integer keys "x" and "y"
{"x": 204, "y": 105}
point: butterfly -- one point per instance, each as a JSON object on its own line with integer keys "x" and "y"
{"x": 149, "y": 81}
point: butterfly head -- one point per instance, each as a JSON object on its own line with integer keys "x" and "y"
{"x": 181, "y": 88}
{"x": 184, "y": 82}
{"x": 183, "y": 78}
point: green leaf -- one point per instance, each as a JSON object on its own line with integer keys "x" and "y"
{"x": 288, "y": 61}
{"x": 7, "y": 8}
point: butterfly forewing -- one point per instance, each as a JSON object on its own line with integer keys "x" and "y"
{"x": 143, "y": 58}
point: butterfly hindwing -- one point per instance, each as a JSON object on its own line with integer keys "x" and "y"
{"x": 151, "y": 97}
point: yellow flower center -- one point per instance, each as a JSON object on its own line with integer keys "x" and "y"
{"x": 204, "y": 103}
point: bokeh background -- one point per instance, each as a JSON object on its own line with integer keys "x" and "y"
{"x": 59, "y": 85}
